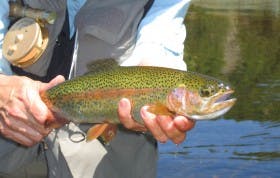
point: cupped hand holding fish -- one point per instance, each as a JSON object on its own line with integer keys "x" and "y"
{"x": 163, "y": 128}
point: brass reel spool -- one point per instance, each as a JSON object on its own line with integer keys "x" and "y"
{"x": 25, "y": 42}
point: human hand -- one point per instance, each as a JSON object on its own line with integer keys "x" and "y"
{"x": 163, "y": 128}
{"x": 22, "y": 112}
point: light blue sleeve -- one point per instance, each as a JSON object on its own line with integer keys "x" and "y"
{"x": 161, "y": 35}
{"x": 4, "y": 23}
{"x": 73, "y": 7}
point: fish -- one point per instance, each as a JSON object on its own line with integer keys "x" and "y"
{"x": 93, "y": 98}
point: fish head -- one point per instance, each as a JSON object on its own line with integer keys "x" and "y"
{"x": 207, "y": 101}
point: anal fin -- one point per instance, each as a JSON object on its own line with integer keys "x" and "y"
{"x": 105, "y": 131}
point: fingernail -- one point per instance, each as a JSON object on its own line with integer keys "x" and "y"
{"x": 122, "y": 103}
{"x": 146, "y": 113}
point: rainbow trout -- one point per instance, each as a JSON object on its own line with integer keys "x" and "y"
{"x": 94, "y": 97}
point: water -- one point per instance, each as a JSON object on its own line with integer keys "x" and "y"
{"x": 238, "y": 42}
{"x": 224, "y": 148}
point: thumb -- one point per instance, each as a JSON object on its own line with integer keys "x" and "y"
{"x": 40, "y": 109}
{"x": 55, "y": 81}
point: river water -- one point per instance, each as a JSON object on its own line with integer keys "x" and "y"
{"x": 238, "y": 42}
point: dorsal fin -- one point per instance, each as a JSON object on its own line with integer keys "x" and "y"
{"x": 102, "y": 65}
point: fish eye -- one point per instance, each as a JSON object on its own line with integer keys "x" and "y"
{"x": 207, "y": 91}
{"x": 204, "y": 93}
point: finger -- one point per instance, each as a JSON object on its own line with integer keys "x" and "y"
{"x": 17, "y": 125}
{"x": 20, "y": 127}
{"x": 17, "y": 137}
{"x": 183, "y": 124}
{"x": 167, "y": 125}
{"x": 152, "y": 125}
{"x": 124, "y": 111}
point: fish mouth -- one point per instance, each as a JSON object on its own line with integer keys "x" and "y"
{"x": 225, "y": 97}
{"x": 217, "y": 106}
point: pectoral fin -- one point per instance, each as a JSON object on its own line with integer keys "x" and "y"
{"x": 160, "y": 109}
{"x": 54, "y": 121}
{"x": 106, "y": 131}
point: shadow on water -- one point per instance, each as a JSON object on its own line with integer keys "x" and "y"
{"x": 238, "y": 42}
